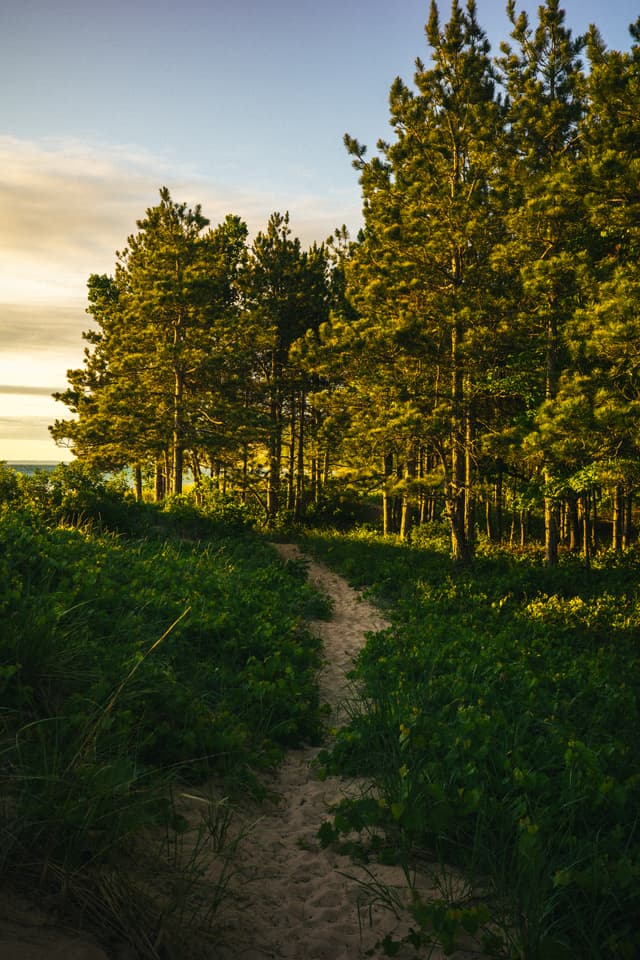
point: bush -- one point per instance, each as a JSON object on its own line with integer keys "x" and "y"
{"x": 499, "y": 722}
{"x": 129, "y": 664}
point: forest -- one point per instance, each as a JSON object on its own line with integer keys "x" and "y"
{"x": 444, "y": 410}
{"x": 469, "y": 357}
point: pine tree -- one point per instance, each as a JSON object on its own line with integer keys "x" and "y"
{"x": 286, "y": 295}
{"x": 544, "y": 84}
{"x": 422, "y": 277}
{"x": 605, "y": 332}
{"x": 165, "y": 332}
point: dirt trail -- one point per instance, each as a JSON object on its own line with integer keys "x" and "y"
{"x": 291, "y": 899}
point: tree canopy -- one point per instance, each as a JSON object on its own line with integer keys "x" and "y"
{"x": 469, "y": 357}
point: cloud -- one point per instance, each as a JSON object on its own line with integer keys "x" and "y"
{"x": 24, "y": 439}
{"x": 11, "y": 427}
{"x": 18, "y": 402}
{"x": 25, "y": 415}
{"x": 66, "y": 206}
{"x": 55, "y": 329}
{"x": 19, "y": 391}
{"x": 38, "y": 344}
{"x": 62, "y": 197}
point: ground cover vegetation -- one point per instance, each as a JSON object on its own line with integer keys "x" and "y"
{"x": 498, "y": 723}
{"x": 470, "y": 354}
{"x": 144, "y": 652}
{"x": 468, "y": 364}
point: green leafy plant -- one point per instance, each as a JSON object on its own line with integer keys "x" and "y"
{"x": 129, "y": 666}
{"x": 498, "y": 726}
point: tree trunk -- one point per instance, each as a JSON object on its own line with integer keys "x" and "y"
{"x": 273, "y": 483}
{"x": 245, "y": 472}
{"x": 498, "y": 502}
{"x": 405, "y": 517}
{"x": 551, "y": 390}
{"x": 326, "y": 466}
{"x": 488, "y": 520}
{"x": 524, "y": 527}
{"x": 178, "y": 430}
{"x": 196, "y": 471}
{"x": 456, "y": 507}
{"x": 550, "y": 532}
{"x": 617, "y": 515}
{"x": 627, "y": 526}
{"x": 494, "y": 513}
{"x": 160, "y": 481}
{"x": 573, "y": 522}
{"x": 292, "y": 455}
{"x": 275, "y": 443}
{"x": 586, "y": 530}
{"x": 422, "y": 498}
{"x": 387, "y": 519}
{"x": 299, "y": 486}
{"x": 469, "y": 500}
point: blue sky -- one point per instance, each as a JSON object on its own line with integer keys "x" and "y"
{"x": 239, "y": 105}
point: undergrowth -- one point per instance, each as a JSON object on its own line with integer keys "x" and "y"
{"x": 499, "y": 721}
{"x": 133, "y": 667}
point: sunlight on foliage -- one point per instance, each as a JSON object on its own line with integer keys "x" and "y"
{"x": 499, "y": 724}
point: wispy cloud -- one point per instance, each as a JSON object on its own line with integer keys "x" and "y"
{"x": 64, "y": 210}
{"x": 53, "y": 328}
{"x": 14, "y": 426}
{"x": 66, "y": 207}
{"x": 69, "y": 193}
{"x": 21, "y": 391}
{"x": 25, "y": 416}
{"x": 28, "y": 439}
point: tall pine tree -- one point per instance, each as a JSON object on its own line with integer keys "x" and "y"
{"x": 542, "y": 75}
{"x": 139, "y": 397}
{"x": 422, "y": 277}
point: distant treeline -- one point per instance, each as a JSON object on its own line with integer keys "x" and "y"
{"x": 33, "y": 466}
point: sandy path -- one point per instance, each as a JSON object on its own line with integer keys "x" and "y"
{"x": 291, "y": 899}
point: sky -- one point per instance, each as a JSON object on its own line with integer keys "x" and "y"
{"x": 239, "y": 105}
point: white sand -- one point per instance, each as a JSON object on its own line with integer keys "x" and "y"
{"x": 291, "y": 899}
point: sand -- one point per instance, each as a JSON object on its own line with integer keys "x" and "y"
{"x": 291, "y": 899}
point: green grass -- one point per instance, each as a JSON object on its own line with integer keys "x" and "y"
{"x": 132, "y": 668}
{"x": 500, "y": 722}
{"x": 144, "y": 650}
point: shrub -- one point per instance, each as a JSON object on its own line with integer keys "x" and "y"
{"x": 499, "y": 723}
{"x": 127, "y": 665}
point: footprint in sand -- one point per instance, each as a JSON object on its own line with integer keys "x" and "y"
{"x": 290, "y": 900}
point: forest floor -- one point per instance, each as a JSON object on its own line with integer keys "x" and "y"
{"x": 287, "y": 898}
